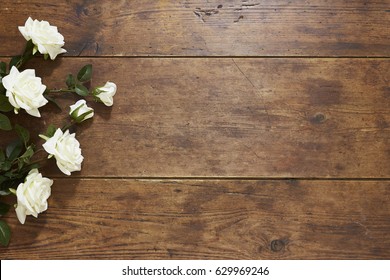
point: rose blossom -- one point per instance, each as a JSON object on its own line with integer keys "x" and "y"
{"x": 105, "y": 93}
{"x": 80, "y": 111}
{"x": 45, "y": 37}
{"x": 25, "y": 90}
{"x": 32, "y": 195}
{"x": 66, "y": 150}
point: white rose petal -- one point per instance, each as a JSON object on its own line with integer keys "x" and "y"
{"x": 44, "y": 36}
{"x": 32, "y": 195}
{"x": 66, "y": 150}
{"x": 25, "y": 90}
{"x": 105, "y": 93}
{"x": 80, "y": 111}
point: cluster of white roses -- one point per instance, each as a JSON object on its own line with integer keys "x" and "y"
{"x": 25, "y": 90}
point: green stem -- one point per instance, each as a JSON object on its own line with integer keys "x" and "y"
{"x": 22, "y": 61}
{"x": 27, "y": 54}
{"x": 31, "y": 163}
{"x": 68, "y": 125}
{"x": 37, "y": 161}
{"x": 59, "y": 90}
{"x": 15, "y": 161}
{"x": 39, "y": 150}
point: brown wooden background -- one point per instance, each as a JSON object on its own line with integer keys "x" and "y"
{"x": 240, "y": 130}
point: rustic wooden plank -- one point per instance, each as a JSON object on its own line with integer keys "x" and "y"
{"x": 207, "y": 28}
{"x": 202, "y": 219}
{"x": 242, "y": 117}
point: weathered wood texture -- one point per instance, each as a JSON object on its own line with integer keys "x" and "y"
{"x": 192, "y": 28}
{"x": 242, "y": 118}
{"x": 258, "y": 120}
{"x": 153, "y": 219}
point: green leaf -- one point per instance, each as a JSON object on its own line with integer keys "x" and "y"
{"x": 23, "y": 133}
{"x": 3, "y": 179}
{"x": 14, "y": 149}
{"x": 6, "y": 165}
{"x": 3, "y": 69}
{"x": 85, "y": 73}
{"x": 4, "y": 185}
{"x": 28, "y": 51}
{"x": 2, "y": 88}
{"x": 70, "y": 81}
{"x": 4, "y": 208}
{"x": 5, "y": 233}
{"x": 5, "y": 106}
{"x": 13, "y": 179}
{"x": 27, "y": 154}
{"x": 81, "y": 90}
{"x": 10, "y": 175}
{"x": 20, "y": 164}
{"x": 2, "y": 156}
{"x": 5, "y": 124}
{"x": 50, "y": 131}
{"x": 52, "y": 100}
{"x": 14, "y": 61}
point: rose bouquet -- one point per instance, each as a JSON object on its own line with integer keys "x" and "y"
{"x": 22, "y": 90}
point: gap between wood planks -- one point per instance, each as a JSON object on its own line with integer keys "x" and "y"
{"x": 234, "y": 178}
{"x": 215, "y": 57}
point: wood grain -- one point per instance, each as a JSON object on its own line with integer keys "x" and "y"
{"x": 302, "y": 118}
{"x": 201, "y": 219}
{"x": 207, "y": 28}
{"x": 265, "y": 136}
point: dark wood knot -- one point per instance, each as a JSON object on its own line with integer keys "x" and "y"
{"x": 277, "y": 245}
{"x": 318, "y": 118}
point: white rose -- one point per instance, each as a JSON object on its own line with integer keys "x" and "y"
{"x": 80, "y": 111}
{"x": 105, "y": 93}
{"x": 66, "y": 150}
{"x": 25, "y": 90}
{"x": 45, "y": 37}
{"x": 32, "y": 195}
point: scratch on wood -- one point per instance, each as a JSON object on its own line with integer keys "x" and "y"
{"x": 366, "y": 231}
{"x": 239, "y": 18}
{"x": 262, "y": 97}
{"x": 201, "y": 13}
{"x": 250, "y": 4}
{"x": 251, "y": 150}
{"x": 246, "y": 5}
{"x": 83, "y": 48}
{"x": 239, "y": 69}
{"x": 97, "y": 48}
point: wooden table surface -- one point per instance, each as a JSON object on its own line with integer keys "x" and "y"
{"x": 240, "y": 130}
